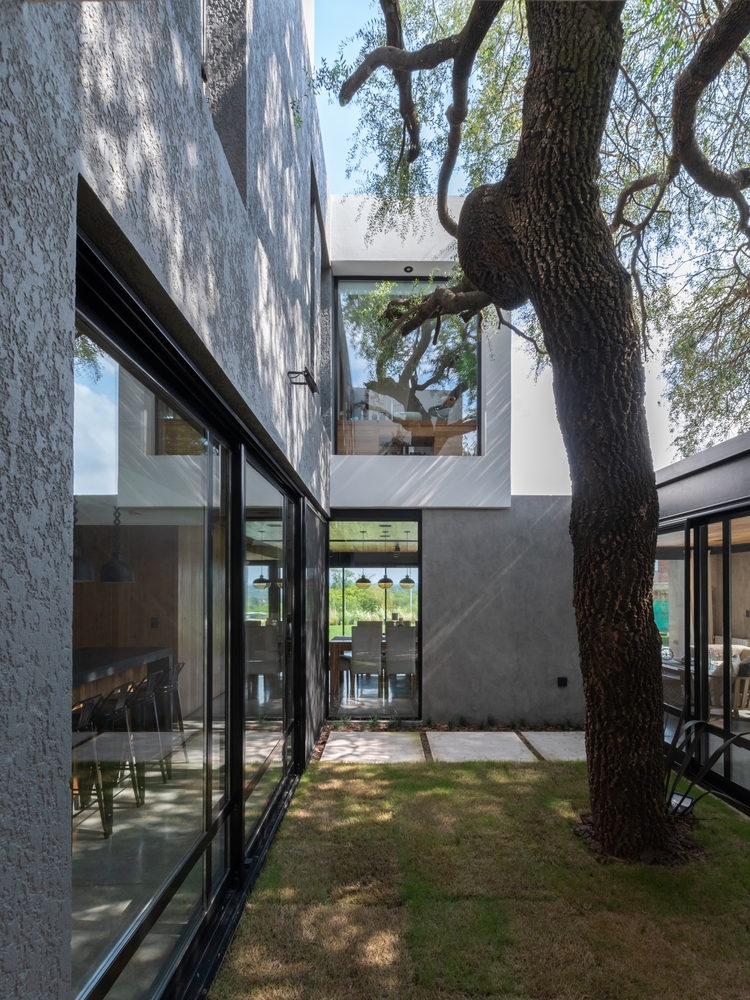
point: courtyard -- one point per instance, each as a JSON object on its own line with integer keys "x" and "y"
{"x": 466, "y": 880}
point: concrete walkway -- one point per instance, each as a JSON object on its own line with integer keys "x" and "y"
{"x": 478, "y": 746}
{"x": 372, "y": 748}
{"x": 397, "y": 748}
{"x": 559, "y": 746}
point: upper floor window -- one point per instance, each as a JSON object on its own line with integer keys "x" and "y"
{"x": 413, "y": 395}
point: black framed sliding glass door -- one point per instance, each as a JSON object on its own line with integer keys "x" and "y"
{"x": 706, "y": 676}
{"x": 268, "y": 674}
{"x": 374, "y": 617}
{"x": 185, "y": 653}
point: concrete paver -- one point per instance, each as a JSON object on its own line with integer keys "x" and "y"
{"x": 373, "y": 748}
{"x": 478, "y": 746}
{"x": 559, "y": 746}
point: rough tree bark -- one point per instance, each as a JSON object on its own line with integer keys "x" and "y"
{"x": 540, "y": 235}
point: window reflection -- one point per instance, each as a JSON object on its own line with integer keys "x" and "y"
{"x": 404, "y": 395}
{"x": 669, "y": 613}
{"x": 267, "y": 756}
{"x": 150, "y": 534}
{"x": 373, "y": 618}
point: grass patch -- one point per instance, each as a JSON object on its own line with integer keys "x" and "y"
{"x": 458, "y": 881}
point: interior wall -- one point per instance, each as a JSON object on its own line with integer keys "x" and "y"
{"x": 497, "y": 614}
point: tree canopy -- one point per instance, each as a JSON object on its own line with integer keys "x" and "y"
{"x": 671, "y": 187}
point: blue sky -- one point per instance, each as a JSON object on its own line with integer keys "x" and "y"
{"x": 334, "y": 22}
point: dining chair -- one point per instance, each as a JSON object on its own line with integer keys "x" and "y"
{"x": 366, "y": 652}
{"x": 400, "y": 653}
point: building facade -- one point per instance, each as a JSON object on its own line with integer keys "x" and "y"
{"x": 202, "y": 446}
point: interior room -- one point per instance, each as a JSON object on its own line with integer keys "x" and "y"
{"x": 374, "y": 618}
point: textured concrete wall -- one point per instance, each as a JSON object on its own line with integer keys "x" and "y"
{"x": 112, "y": 93}
{"x": 38, "y": 122}
{"x": 497, "y": 614}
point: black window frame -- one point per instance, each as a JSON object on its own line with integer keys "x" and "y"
{"x": 119, "y": 320}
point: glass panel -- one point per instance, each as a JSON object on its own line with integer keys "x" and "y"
{"x": 404, "y": 395}
{"x": 147, "y": 972}
{"x": 139, "y": 649}
{"x": 373, "y": 618}
{"x": 219, "y": 578}
{"x": 740, "y": 628}
{"x": 265, "y": 641}
{"x": 669, "y": 613}
{"x": 740, "y": 766}
{"x": 316, "y": 618}
{"x": 713, "y": 647}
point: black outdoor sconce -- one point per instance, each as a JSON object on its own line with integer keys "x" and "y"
{"x": 305, "y": 377}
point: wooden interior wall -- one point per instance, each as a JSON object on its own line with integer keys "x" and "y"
{"x": 191, "y": 616}
{"x": 120, "y": 614}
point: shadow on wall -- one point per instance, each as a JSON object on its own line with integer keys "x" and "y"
{"x": 498, "y": 622}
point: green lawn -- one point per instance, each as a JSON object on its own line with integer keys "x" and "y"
{"x": 457, "y": 881}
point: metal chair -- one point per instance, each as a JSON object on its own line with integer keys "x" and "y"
{"x": 169, "y": 690}
{"x": 86, "y": 771}
{"x": 145, "y": 719}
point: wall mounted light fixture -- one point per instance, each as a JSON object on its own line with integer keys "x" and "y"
{"x": 305, "y": 377}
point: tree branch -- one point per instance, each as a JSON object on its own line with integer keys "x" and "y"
{"x": 461, "y": 299}
{"x": 462, "y": 49}
{"x": 721, "y": 41}
{"x": 480, "y": 20}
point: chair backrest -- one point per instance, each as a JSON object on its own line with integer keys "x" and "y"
{"x": 145, "y": 688}
{"x": 262, "y": 649}
{"x": 366, "y": 644}
{"x": 83, "y": 713}
{"x": 169, "y": 678}
{"x": 115, "y": 702}
{"x": 400, "y": 649}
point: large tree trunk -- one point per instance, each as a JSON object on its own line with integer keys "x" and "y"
{"x": 540, "y": 235}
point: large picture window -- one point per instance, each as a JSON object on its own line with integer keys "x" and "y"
{"x": 182, "y": 710}
{"x": 404, "y": 395}
{"x": 149, "y": 661}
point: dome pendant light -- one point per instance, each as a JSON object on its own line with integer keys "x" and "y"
{"x": 385, "y": 582}
{"x": 362, "y": 583}
{"x": 407, "y": 583}
{"x": 260, "y": 582}
{"x": 115, "y": 569}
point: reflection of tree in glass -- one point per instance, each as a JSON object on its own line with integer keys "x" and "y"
{"x": 406, "y": 356}
{"x": 87, "y": 358}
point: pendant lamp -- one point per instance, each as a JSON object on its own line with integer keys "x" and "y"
{"x": 385, "y": 582}
{"x": 406, "y": 583}
{"x": 83, "y": 569}
{"x": 260, "y": 582}
{"x": 116, "y": 569}
{"x": 362, "y": 583}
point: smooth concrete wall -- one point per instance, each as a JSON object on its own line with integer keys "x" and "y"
{"x": 497, "y": 614}
{"x": 104, "y": 103}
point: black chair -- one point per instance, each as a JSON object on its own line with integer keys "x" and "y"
{"x": 144, "y": 718}
{"x": 85, "y": 770}
{"x": 168, "y": 690}
{"x": 113, "y": 718}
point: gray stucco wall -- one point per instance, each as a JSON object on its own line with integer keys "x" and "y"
{"x": 112, "y": 93}
{"x": 497, "y": 614}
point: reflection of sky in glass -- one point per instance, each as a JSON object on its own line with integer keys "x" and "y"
{"x": 95, "y": 430}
